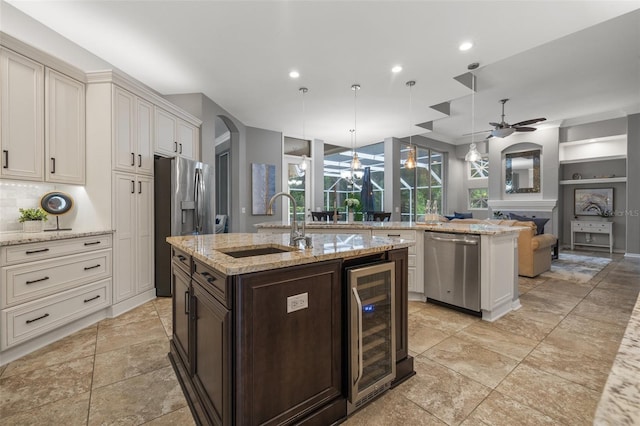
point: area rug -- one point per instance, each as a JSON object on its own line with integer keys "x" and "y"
{"x": 576, "y": 267}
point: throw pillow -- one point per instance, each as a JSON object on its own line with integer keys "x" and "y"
{"x": 539, "y": 221}
{"x": 462, "y": 215}
{"x": 450, "y": 217}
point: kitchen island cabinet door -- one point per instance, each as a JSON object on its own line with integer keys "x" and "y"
{"x": 212, "y": 355}
{"x": 288, "y": 337}
{"x": 181, "y": 322}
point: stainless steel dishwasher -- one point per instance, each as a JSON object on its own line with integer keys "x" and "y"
{"x": 452, "y": 270}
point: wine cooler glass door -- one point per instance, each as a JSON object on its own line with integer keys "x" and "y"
{"x": 372, "y": 331}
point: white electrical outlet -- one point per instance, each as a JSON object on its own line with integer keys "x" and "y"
{"x": 297, "y": 302}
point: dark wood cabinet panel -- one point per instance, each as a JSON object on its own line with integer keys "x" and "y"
{"x": 401, "y": 258}
{"x": 288, "y": 363}
{"x": 212, "y": 354}
{"x": 181, "y": 287}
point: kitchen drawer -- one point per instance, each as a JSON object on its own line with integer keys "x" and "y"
{"x": 32, "y": 319}
{"x": 21, "y": 253}
{"x": 592, "y": 227}
{"x": 216, "y": 283}
{"x": 395, "y": 233}
{"x": 29, "y": 281}
{"x": 182, "y": 259}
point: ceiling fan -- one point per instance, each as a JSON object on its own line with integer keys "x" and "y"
{"x": 504, "y": 129}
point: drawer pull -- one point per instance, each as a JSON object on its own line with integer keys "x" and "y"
{"x": 92, "y": 243}
{"x": 393, "y": 235}
{"x": 182, "y": 258}
{"x": 92, "y": 298}
{"x": 36, "y": 251}
{"x": 36, "y": 281}
{"x": 36, "y": 319}
{"x": 210, "y": 278}
{"x": 86, "y": 268}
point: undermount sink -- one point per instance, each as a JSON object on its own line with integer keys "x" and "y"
{"x": 239, "y": 252}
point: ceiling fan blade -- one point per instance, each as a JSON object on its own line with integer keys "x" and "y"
{"x": 525, "y": 129}
{"x": 491, "y": 123}
{"x": 527, "y": 122}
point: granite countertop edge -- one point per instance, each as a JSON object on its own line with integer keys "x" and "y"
{"x": 206, "y": 248}
{"x": 15, "y": 238}
{"x": 458, "y": 228}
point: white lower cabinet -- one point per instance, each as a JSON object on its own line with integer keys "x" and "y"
{"x": 133, "y": 237}
{"x": 47, "y": 285}
{"x": 416, "y": 264}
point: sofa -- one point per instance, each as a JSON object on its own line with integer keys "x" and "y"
{"x": 534, "y": 251}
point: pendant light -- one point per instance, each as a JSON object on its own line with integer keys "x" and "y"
{"x": 410, "y": 163}
{"x": 303, "y": 162}
{"x": 356, "y": 167}
{"x": 347, "y": 174}
{"x": 473, "y": 155}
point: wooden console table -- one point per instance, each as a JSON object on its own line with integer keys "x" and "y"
{"x": 592, "y": 227}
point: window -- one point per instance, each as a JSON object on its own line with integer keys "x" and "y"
{"x": 478, "y": 198}
{"x": 424, "y": 183}
{"x": 479, "y": 169}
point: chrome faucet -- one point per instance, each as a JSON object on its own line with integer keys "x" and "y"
{"x": 296, "y": 234}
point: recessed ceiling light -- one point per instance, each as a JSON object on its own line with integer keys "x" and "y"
{"x": 466, "y": 45}
{"x": 397, "y": 68}
{"x": 294, "y": 74}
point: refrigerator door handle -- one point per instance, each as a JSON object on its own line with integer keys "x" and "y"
{"x": 197, "y": 200}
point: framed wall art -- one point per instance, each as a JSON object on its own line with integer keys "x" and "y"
{"x": 593, "y": 202}
{"x": 263, "y": 187}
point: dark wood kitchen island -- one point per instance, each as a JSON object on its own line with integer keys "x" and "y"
{"x": 260, "y": 328}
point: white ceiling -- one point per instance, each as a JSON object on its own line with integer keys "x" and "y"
{"x": 563, "y": 60}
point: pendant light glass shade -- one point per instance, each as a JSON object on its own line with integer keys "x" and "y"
{"x": 473, "y": 155}
{"x": 410, "y": 162}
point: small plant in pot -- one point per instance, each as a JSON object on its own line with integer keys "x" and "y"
{"x": 32, "y": 219}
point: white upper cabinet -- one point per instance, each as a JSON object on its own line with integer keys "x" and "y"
{"x": 22, "y": 116}
{"x": 132, "y": 132}
{"x": 65, "y": 129}
{"x": 175, "y": 136}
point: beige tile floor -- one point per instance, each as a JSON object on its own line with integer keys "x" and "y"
{"x": 543, "y": 364}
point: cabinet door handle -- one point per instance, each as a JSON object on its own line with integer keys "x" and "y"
{"x": 36, "y": 319}
{"x": 86, "y": 268}
{"x": 186, "y": 302}
{"x": 180, "y": 148}
{"x": 36, "y": 281}
{"x": 92, "y": 243}
{"x": 210, "y": 278}
{"x": 133, "y": 187}
{"x": 36, "y": 251}
{"x": 5, "y": 159}
{"x": 175, "y": 146}
{"x": 139, "y": 187}
{"x": 133, "y": 159}
{"x": 139, "y": 160}
{"x": 92, "y": 298}
{"x": 53, "y": 165}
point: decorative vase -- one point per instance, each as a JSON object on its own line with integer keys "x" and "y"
{"x": 350, "y": 217}
{"x": 32, "y": 226}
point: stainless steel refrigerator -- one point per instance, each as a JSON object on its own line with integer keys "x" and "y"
{"x": 183, "y": 192}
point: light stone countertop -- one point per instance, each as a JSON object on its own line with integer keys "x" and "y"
{"x": 453, "y": 227}
{"x": 14, "y": 238}
{"x": 209, "y": 249}
{"x": 620, "y": 401}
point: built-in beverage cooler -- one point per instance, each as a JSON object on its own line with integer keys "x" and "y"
{"x": 372, "y": 340}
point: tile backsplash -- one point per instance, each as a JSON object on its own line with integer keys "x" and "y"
{"x": 23, "y": 194}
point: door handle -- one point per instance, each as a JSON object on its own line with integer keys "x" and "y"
{"x": 5, "y": 160}
{"x": 186, "y": 302}
{"x": 133, "y": 187}
{"x": 133, "y": 159}
{"x": 360, "y": 360}
{"x": 139, "y": 187}
{"x": 175, "y": 146}
{"x": 53, "y": 165}
{"x": 139, "y": 160}
{"x": 180, "y": 148}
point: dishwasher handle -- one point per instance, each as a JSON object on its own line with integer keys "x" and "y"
{"x": 455, "y": 240}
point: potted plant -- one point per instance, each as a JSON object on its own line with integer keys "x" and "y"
{"x": 32, "y": 219}
{"x": 352, "y": 205}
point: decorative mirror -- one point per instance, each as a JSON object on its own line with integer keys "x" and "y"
{"x": 56, "y": 203}
{"x": 522, "y": 172}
